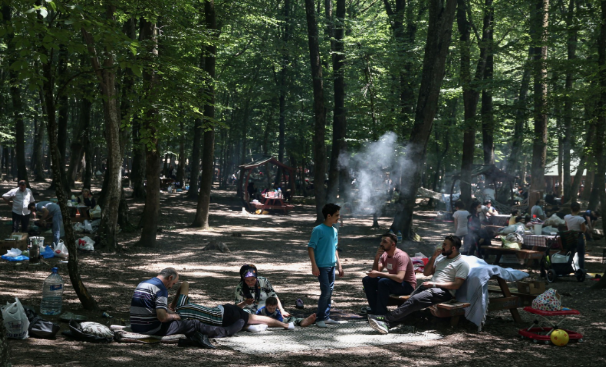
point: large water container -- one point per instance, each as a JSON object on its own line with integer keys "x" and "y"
{"x": 52, "y": 294}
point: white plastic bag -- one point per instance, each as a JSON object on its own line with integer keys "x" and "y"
{"x": 61, "y": 250}
{"x": 95, "y": 212}
{"x": 88, "y": 227}
{"x": 85, "y": 243}
{"x": 14, "y": 252}
{"x": 15, "y": 320}
{"x": 78, "y": 227}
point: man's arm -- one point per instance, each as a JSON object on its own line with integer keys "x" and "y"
{"x": 339, "y": 267}
{"x": 430, "y": 267}
{"x": 314, "y": 268}
{"x": 165, "y": 315}
{"x": 376, "y": 265}
{"x": 458, "y": 282}
{"x": 399, "y": 277}
{"x": 456, "y": 223}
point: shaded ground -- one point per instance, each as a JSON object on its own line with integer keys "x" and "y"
{"x": 276, "y": 244}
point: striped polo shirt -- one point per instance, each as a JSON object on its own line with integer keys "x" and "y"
{"x": 149, "y": 296}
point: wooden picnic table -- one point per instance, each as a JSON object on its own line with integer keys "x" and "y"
{"x": 455, "y": 310}
{"x": 271, "y": 202}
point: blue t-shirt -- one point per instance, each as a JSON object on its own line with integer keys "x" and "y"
{"x": 149, "y": 296}
{"x": 324, "y": 240}
{"x": 274, "y": 315}
{"x": 53, "y": 209}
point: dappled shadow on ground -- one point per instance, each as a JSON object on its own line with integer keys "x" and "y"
{"x": 277, "y": 245}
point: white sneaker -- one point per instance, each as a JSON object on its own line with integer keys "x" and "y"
{"x": 291, "y": 326}
{"x": 333, "y": 322}
{"x": 256, "y": 328}
{"x": 321, "y": 324}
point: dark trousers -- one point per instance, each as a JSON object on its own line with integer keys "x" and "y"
{"x": 581, "y": 250}
{"x": 425, "y": 297}
{"x": 189, "y": 327}
{"x": 378, "y": 291}
{"x": 20, "y": 219}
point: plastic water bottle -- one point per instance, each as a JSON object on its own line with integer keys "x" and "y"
{"x": 399, "y": 236}
{"x": 52, "y": 294}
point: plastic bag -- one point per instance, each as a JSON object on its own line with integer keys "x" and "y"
{"x": 95, "y": 212}
{"x": 61, "y": 250}
{"x": 14, "y": 252}
{"x": 15, "y": 320}
{"x": 85, "y": 243}
{"x": 78, "y": 227}
{"x": 47, "y": 253}
{"x": 88, "y": 227}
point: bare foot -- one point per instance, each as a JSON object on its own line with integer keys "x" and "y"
{"x": 309, "y": 320}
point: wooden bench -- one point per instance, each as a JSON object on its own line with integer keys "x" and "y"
{"x": 452, "y": 308}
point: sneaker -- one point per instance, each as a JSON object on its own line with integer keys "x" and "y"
{"x": 377, "y": 317}
{"x": 333, "y": 322}
{"x": 380, "y": 326}
{"x": 321, "y": 324}
{"x": 299, "y": 303}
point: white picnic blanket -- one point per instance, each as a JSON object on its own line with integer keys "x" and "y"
{"x": 353, "y": 334}
{"x": 475, "y": 288}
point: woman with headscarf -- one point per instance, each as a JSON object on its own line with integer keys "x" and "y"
{"x": 253, "y": 290}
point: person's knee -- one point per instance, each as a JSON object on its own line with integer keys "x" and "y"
{"x": 384, "y": 283}
{"x": 367, "y": 281}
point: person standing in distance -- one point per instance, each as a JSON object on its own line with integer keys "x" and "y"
{"x": 322, "y": 250}
{"x": 19, "y": 199}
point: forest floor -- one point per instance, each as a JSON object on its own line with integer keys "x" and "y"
{"x": 276, "y": 244}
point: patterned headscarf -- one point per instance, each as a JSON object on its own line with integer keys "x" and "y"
{"x": 248, "y": 270}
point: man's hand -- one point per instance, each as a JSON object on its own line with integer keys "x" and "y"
{"x": 380, "y": 252}
{"x": 315, "y": 270}
{"x": 285, "y": 313}
{"x": 249, "y": 301}
{"x": 374, "y": 274}
{"x": 341, "y": 272}
{"x": 175, "y": 316}
{"x": 437, "y": 252}
{"x": 429, "y": 284}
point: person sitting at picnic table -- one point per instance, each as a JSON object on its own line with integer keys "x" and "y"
{"x": 49, "y": 211}
{"x": 488, "y": 211}
{"x": 514, "y": 215}
{"x": 448, "y": 269}
{"x": 87, "y": 199}
{"x": 19, "y": 199}
{"x": 537, "y": 211}
{"x": 575, "y": 222}
{"x": 252, "y": 191}
{"x": 590, "y": 217}
{"x": 400, "y": 278}
{"x": 253, "y": 291}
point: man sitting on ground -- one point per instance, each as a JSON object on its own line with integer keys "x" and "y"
{"x": 449, "y": 272}
{"x": 400, "y": 277}
{"x": 150, "y": 315}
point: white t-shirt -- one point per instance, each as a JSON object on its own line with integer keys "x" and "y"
{"x": 449, "y": 269}
{"x": 573, "y": 222}
{"x": 461, "y": 217}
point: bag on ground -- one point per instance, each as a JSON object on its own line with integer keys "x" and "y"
{"x": 61, "y": 250}
{"x": 15, "y": 320}
{"x": 85, "y": 243}
{"x": 550, "y": 300}
{"x": 39, "y": 327}
{"x": 89, "y": 332}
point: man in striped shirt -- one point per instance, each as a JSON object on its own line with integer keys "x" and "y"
{"x": 149, "y": 313}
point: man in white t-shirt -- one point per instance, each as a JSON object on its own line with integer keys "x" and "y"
{"x": 449, "y": 272}
{"x": 460, "y": 219}
{"x": 18, "y": 199}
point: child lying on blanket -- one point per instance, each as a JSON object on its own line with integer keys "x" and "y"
{"x": 271, "y": 310}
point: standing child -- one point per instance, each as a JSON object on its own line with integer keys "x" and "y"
{"x": 322, "y": 250}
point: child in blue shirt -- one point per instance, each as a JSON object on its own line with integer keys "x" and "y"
{"x": 271, "y": 309}
{"x": 322, "y": 250}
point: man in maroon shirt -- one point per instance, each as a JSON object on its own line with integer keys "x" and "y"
{"x": 400, "y": 278}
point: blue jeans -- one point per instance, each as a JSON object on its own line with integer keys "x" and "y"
{"x": 378, "y": 291}
{"x": 327, "y": 284}
{"x": 57, "y": 224}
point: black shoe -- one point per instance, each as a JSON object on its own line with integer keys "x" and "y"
{"x": 202, "y": 341}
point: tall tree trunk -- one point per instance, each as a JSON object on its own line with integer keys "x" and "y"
{"x": 471, "y": 95}
{"x": 181, "y": 167}
{"x": 487, "y": 112}
{"x": 513, "y": 161}
{"x": 539, "y": 24}
{"x": 148, "y": 35}
{"x": 106, "y": 75}
{"x": 208, "y": 154}
{"x": 195, "y": 158}
{"x": 38, "y": 153}
{"x": 570, "y": 74}
{"x": 77, "y": 146}
{"x": 319, "y": 110}
{"x": 283, "y": 88}
{"x": 339, "y": 131}
{"x": 15, "y": 92}
{"x": 88, "y": 302}
{"x": 439, "y": 32}
{"x": 137, "y": 173}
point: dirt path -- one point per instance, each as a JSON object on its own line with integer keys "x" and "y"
{"x": 276, "y": 244}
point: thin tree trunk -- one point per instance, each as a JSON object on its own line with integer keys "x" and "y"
{"x": 148, "y": 35}
{"x": 513, "y": 161}
{"x": 208, "y": 154}
{"x": 487, "y": 112}
{"x": 439, "y": 32}
{"x": 283, "y": 87}
{"x": 570, "y": 74}
{"x": 181, "y": 167}
{"x": 319, "y": 110}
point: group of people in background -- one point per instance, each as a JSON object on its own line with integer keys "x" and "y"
{"x": 23, "y": 205}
